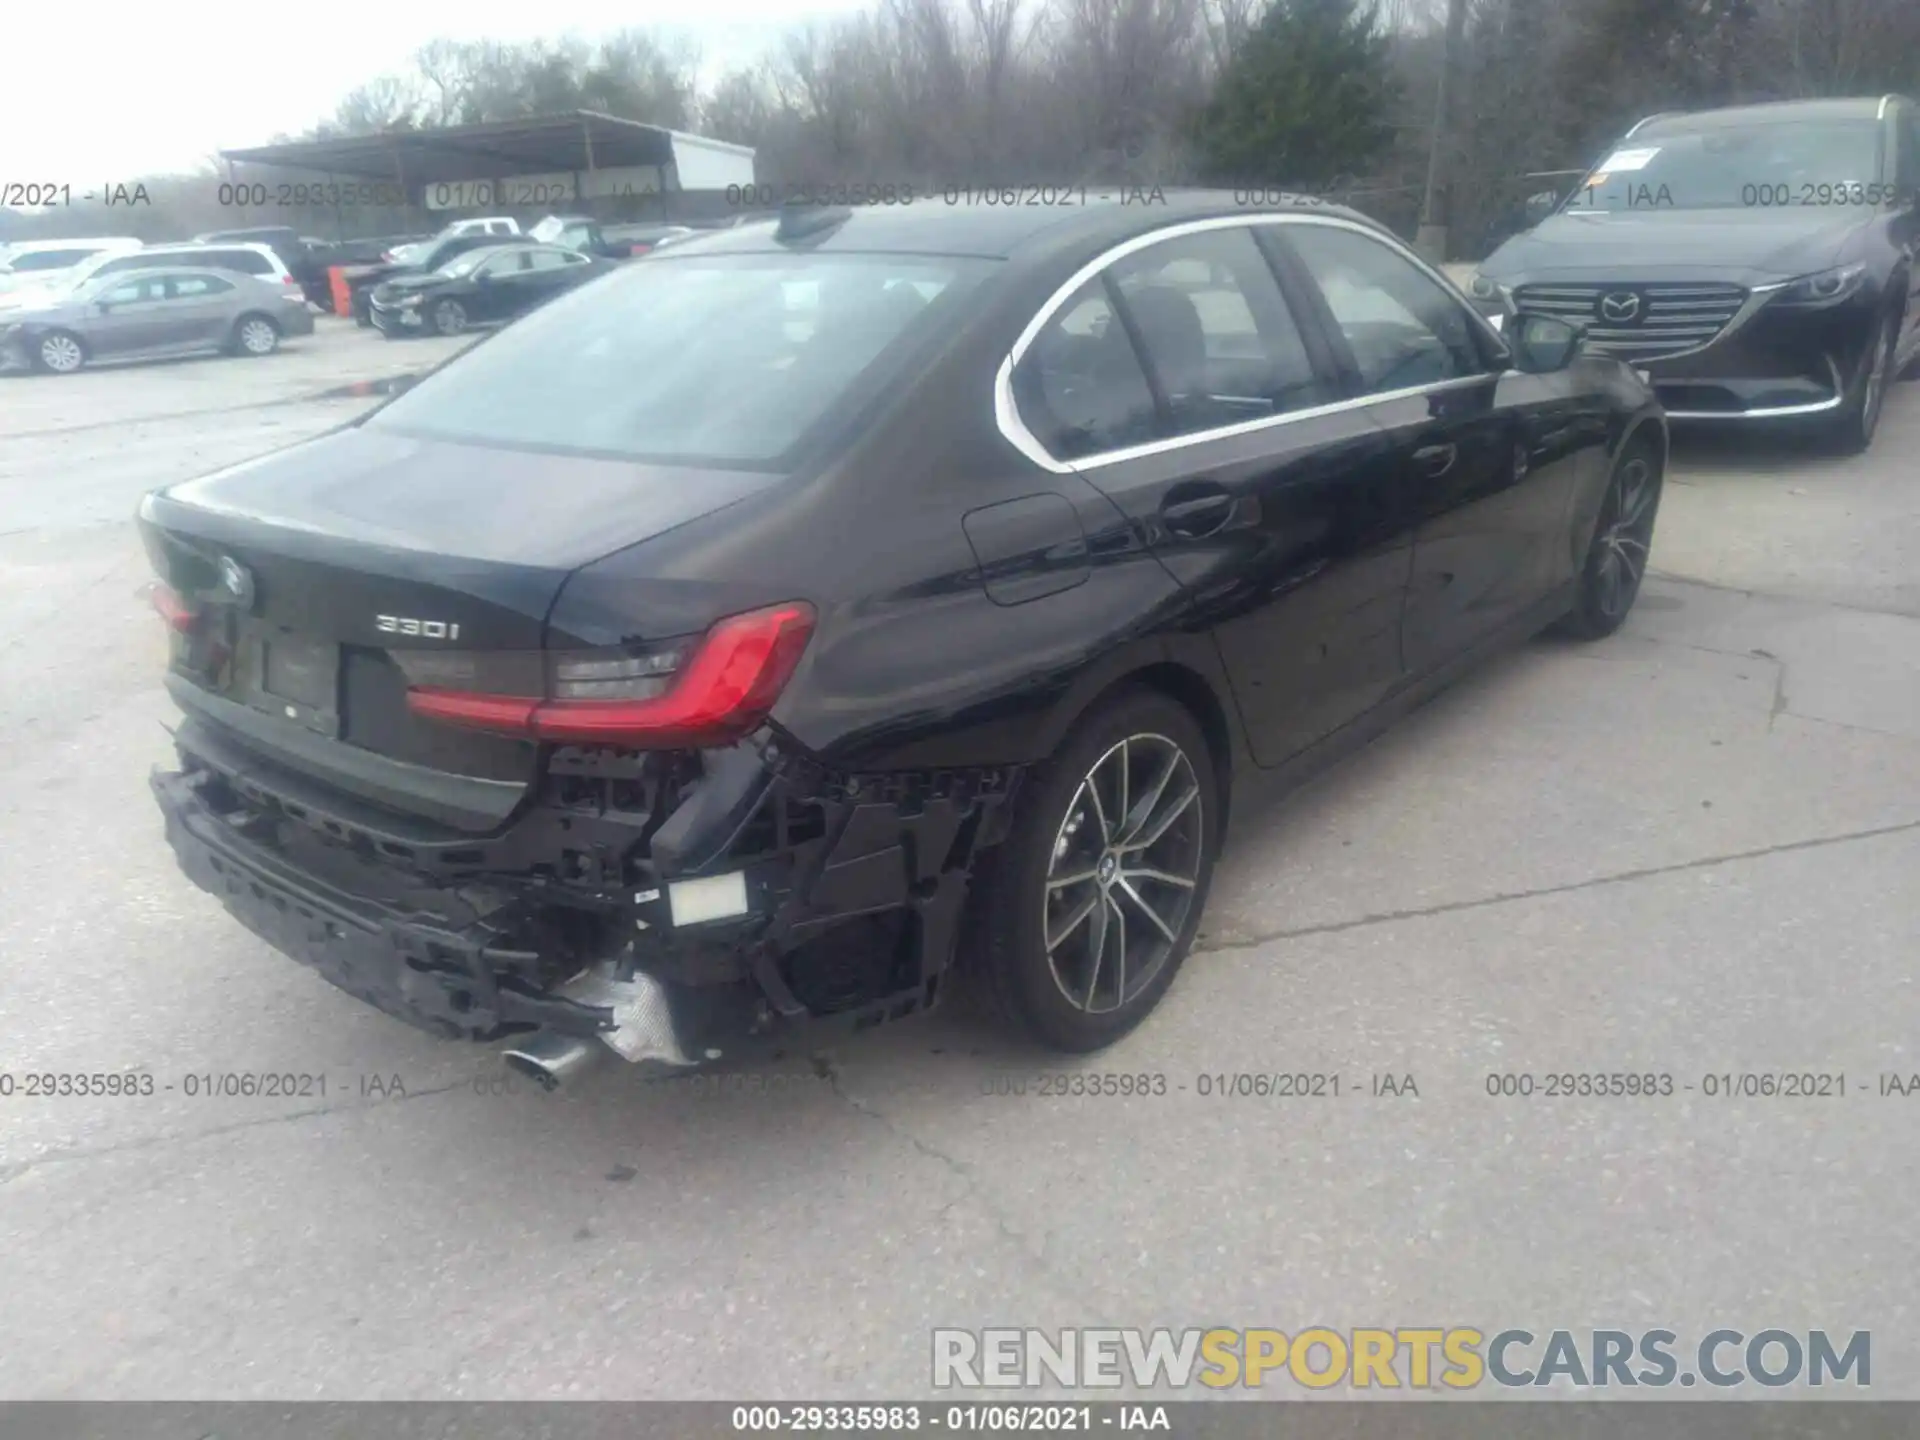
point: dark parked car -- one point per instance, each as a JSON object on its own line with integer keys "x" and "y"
{"x": 481, "y": 287}
{"x": 1758, "y": 262}
{"x": 708, "y": 653}
{"x": 429, "y": 256}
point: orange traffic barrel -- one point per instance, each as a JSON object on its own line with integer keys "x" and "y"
{"x": 342, "y": 292}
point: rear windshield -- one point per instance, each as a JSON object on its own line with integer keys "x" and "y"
{"x": 1782, "y": 162}
{"x": 716, "y": 360}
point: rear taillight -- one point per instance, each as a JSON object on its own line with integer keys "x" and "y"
{"x": 179, "y": 615}
{"x": 708, "y": 691}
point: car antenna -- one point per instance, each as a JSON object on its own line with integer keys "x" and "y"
{"x": 803, "y": 218}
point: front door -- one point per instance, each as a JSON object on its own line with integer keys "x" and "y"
{"x": 128, "y": 317}
{"x": 1488, "y": 456}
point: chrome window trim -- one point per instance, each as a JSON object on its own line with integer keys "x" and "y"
{"x": 1886, "y": 101}
{"x": 1006, "y": 413}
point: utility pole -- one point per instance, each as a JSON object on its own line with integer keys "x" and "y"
{"x": 1437, "y": 206}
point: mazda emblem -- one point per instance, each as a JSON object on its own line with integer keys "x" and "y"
{"x": 1622, "y": 307}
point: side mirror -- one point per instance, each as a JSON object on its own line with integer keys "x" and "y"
{"x": 1541, "y": 205}
{"x": 1542, "y": 344}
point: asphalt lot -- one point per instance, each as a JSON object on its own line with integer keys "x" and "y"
{"x": 1691, "y": 849}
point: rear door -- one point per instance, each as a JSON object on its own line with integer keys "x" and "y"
{"x": 1180, "y": 383}
{"x": 1489, "y": 457}
{"x": 197, "y": 308}
{"x": 548, "y": 272}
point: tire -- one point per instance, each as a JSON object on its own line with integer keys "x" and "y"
{"x": 1063, "y": 998}
{"x": 59, "y": 352}
{"x": 254, "y": 335}
{"x": 1859, "y": 418}
{"x": 449, "y": 317}
{"x": 1616, "y": 560}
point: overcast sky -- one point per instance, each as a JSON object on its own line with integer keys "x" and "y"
{"x": 141, "y": 90}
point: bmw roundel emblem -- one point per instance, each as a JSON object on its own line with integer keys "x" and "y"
{"x": 235, "y": 580}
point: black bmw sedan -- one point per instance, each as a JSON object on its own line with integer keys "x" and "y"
{"x": 1760, "y": 263}
{"x": 481, "y": 286}
{"x": 734, "y": 645}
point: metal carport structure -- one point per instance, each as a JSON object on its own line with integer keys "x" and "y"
{"x": 542, "y": 163}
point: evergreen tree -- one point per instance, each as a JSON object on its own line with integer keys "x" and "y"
{"x": 1304, "y": 99}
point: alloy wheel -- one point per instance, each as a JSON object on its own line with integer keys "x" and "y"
{"x": 1123, "y": 873}
{"x": 257, "y": 337}
{"x": 449, "y": 317}
{"x": 1875, "y": 393}
{"x": 61, "y": 354}
{"x": 1625, "y": 536}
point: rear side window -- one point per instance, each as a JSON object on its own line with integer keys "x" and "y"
{"x": 49, "y": 260}
{"x": 1080, "y": 387}
{"x": 691, "y": 361}
{"x": 247, "y": 262}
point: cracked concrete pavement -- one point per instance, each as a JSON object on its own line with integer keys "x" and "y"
{"x": 1691, "y": 849}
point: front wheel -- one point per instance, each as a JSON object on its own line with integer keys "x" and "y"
{"x": 1089, "y": 910}
{"x": 1859, "y": 417}
{"x": 59, "y": 353}
{"x": 449, "y": 317}
{"x": 1622, "y": 540}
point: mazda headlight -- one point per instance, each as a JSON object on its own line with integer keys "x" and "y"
{"x": 1829, "y": 287}
{"x": 407, "y": 302}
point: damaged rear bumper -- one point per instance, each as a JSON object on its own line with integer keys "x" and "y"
{"x": 682, "y": 909}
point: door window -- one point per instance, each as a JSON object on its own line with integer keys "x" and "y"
{"x": 1079, "y": 388}
{"x": 1403, "y": 329}
{"x": 134, "y": 292}
{"x": 247, "y": 262}
{"x": 509, "y": 264}
{"x": 549, "y": 259}
{"x": 195, "y": 287}
{"x": 1217, "y": 332}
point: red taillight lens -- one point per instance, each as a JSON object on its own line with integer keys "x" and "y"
{"x": 175, "y": 611}
{"x": 721, "y": 690}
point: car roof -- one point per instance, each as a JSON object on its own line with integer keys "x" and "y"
{"x": 76, "y": 242}
{"x": 932, "y": 226}
{"x": 1772, "y": 112}
{"x": 188, "y": 247}
{"x": 162, "y": 272}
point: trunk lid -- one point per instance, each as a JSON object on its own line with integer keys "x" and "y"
{"x": 317, "y": 565}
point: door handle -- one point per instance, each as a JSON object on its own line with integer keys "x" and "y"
{"x": 1436, "y": 460}
{"x": 1196, "y": 511}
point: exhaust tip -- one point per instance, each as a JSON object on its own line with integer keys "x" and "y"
{"x": 553, "y": 1060}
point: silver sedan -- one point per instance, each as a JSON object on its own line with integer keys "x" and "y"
{"x": 152, "y": 315}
